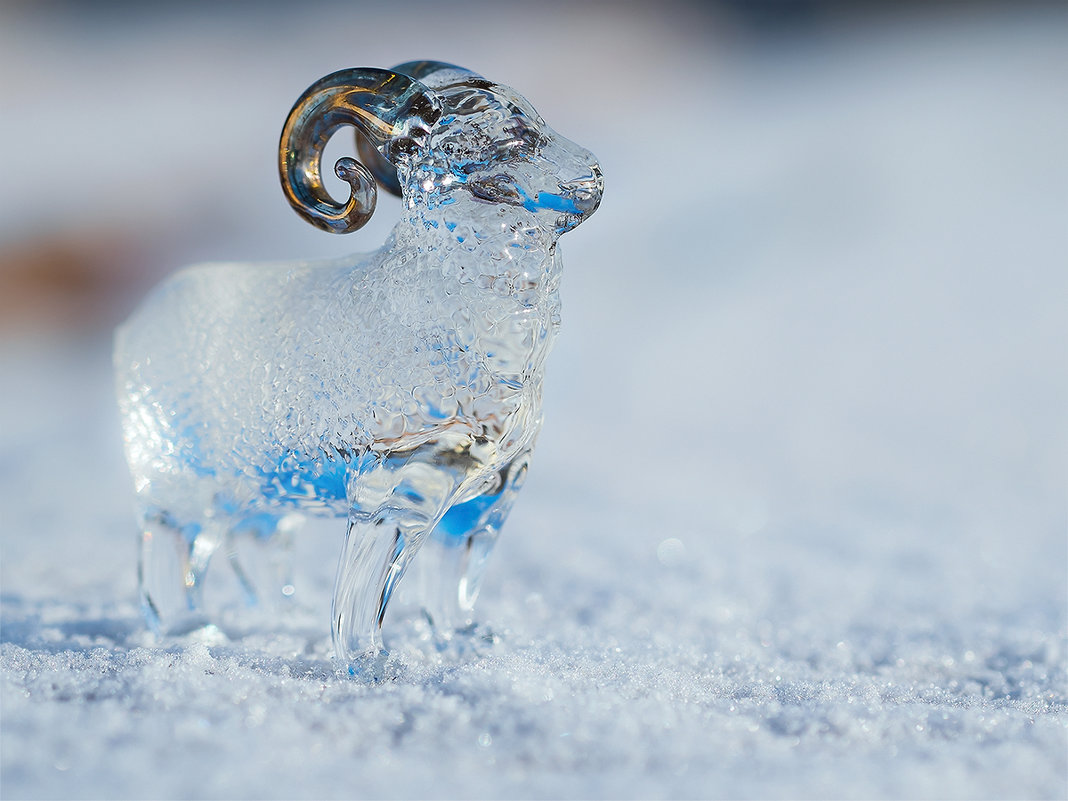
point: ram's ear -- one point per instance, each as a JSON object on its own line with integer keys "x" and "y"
{"x": 383, "y": 165}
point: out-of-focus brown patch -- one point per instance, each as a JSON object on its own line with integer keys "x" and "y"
{"x": 68, "y": 281}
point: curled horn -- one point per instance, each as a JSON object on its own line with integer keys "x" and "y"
{"x": 443, "y": 74}
{"x": 391, "y": 110}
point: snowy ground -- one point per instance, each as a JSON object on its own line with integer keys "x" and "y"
{"x": 796, "y": 523}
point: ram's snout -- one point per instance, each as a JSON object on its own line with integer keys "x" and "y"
{"x": 585, "y": 192}
{"x": 578, "y": 198}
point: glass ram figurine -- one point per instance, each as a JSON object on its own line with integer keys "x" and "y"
{"x": 400, "y": 390}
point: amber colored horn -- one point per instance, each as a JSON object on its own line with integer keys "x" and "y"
{"x": 391, "y": 110}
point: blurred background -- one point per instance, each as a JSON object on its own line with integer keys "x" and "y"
{"x": 814, "y": 342}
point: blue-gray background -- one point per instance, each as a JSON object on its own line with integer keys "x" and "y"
{"x": 796, "y": 525}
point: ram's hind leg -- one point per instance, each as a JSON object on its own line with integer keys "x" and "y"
{"x": 452, "y": 563}
{"x": 260, "y": 550}
{"x": 173, "y": 562}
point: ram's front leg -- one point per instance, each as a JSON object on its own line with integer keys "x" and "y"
{"x": 452, "y": 564}
{"x": 395, "y": 501}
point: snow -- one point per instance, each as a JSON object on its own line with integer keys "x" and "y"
{"x": 795, "y": 527}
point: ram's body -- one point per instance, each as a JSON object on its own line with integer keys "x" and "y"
{"x": 402, "y": 387}
{"x": 268, "y": 380}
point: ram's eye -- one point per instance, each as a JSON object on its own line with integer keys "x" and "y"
{"x": 495, "y": 189}
{"x": 534, "y": 138}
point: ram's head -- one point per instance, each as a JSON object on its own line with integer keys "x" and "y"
{"x": 439, "y": 135}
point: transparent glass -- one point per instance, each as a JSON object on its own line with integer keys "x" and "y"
{"x": 399, "y": 390}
